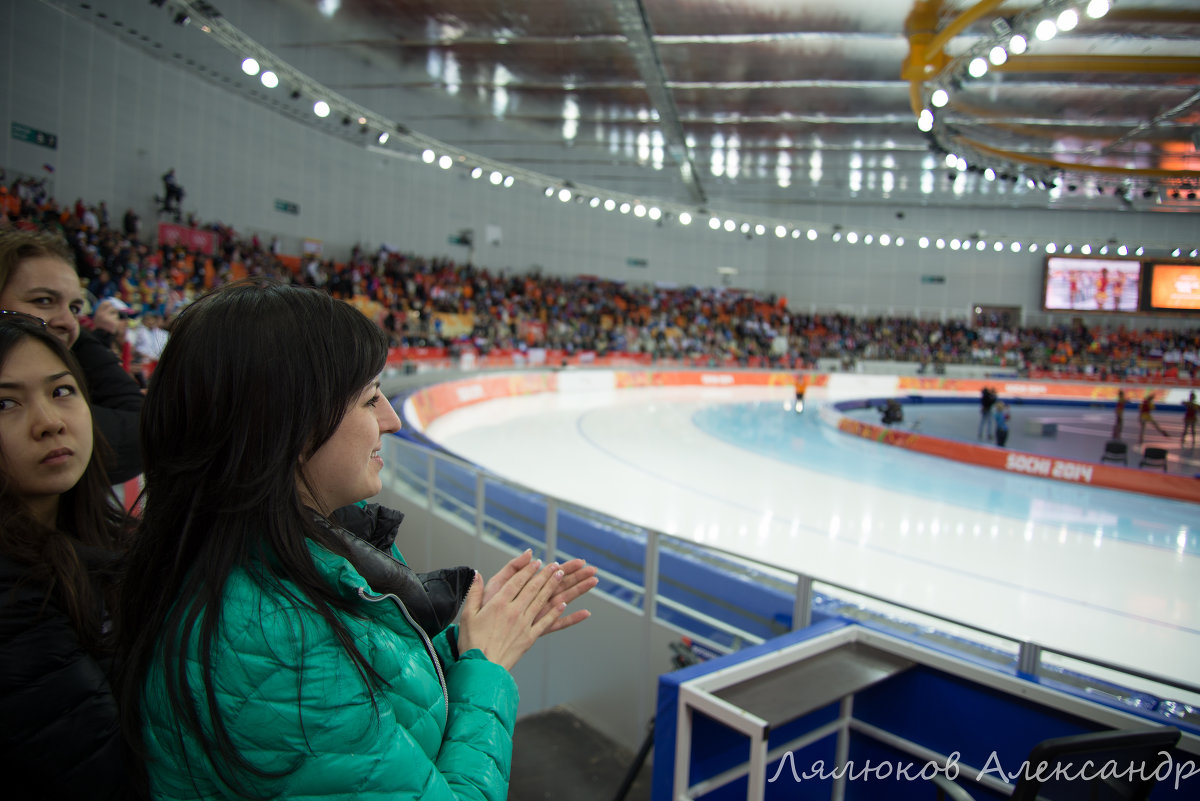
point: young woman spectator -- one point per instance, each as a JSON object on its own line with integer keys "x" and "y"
{"x": 270, "y": 652}
{"x": 38, "y": 277}
{"x": 61, "y": 533}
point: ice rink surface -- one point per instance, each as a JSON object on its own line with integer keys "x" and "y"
{"x": 1109, "y": 575}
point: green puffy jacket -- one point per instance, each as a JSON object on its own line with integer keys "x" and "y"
{"x": 294, "y": 701}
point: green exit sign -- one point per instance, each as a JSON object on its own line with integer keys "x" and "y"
{"x": 23, "y": 133}
{"x": 287, "y": 207}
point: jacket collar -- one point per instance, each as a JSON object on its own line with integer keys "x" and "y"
{"x": 432, "y": 599}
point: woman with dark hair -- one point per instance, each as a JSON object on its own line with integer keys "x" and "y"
{"x": 38, "y": 277}
{"x": 61, "y": 533}
{"x": 269, "y": 651}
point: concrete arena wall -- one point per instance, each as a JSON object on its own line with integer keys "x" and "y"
{"x": 430, "y": 402}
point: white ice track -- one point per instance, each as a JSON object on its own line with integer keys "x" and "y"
{"x": 636, "y": 455}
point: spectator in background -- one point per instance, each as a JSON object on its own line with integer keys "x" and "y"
{"x": 1000, "y": 413}
{"x": 38, "y": 277}
{"x": 1119, "y": 415}
{"x": 987, "y": 399}
{"x": 131, "y": 224}
{"x": 149, "y": 337}
{"x": 1146, "y": 416}
{"x": 61, "y": 535}
{"x": 1190, "y": 408}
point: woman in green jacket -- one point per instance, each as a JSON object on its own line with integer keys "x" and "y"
{"x": 268, "y": 651}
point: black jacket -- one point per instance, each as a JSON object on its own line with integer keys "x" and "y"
{"x": 116, "y": 405}
{"x": 59, "y": 731}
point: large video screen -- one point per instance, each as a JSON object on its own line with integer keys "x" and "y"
{"x": 1175, "y": 287}
{"x": 1097, "y": 285}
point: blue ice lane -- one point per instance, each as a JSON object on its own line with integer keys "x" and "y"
{"x": 802, "y": 440}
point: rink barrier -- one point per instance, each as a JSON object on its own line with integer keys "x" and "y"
{"x": 1126, "y": 479}
{"x": 428, "y": 403}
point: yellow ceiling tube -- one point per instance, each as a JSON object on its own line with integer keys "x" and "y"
{"x": 1067, "y": 166}
{"x": 918, "y": 67}
{"x": 1145, "y": 65}
{"x": 958, "y": 25}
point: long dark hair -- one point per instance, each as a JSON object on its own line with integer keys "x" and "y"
{"x": 89, "y": 517}
{"x": 255, "y": 377}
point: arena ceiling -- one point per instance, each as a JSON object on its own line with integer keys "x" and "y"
{"x": 730, "y": 104}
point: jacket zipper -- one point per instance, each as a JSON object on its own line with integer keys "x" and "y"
{"x": 429, "y": 649}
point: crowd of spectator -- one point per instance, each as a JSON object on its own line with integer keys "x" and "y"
{"x": 434, "y": 302}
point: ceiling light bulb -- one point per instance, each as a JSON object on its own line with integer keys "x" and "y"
{"x": 951, "y": 160}
{"x": 1051, "y": 247}
{"x": 884, "y": 240}
{"x": 383, "y": 138}
{"x": 250, "y": 66}
{"x": 1086, "y": 250}
{"x": 925, "y": 120}
{"x": 564, "y": 195}
{"x": 714, "y": 223}
{"x": 639, "y": 210}
{"x": 990, "y": 174}
{"x": 998, "y": 55}
{"x": 1068, "y": 19}
{"x": 1017, "y": 45}
{"x": 760, "y": 229}
{"x": 851, "y": 237}
{"x": 685, "y": 218}
{"x": 977, "y": 68}
{"x": 445, "y": 162}
{"x": 509, "y": 181}
{"x": 1097, "y": 8}
{"x": 477, "y": 172}
{"x": 923, "y": 242}
{"x": 495, "y": 177}
{"x": 428, "y": 157}
{"x": 269, "y": 79}
{"x": 1046, "y": 30}
{"x": 939, "y": 98}
{"x": 321, "y": 108}
{"x": 812, "y": 234}
{"x": 655, "y": 213}
{"x": 781, "y": 231}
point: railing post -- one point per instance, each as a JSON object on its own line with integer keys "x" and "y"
{"x": 1029, "y": 657}
{"x": 551, "y": 529}
{"x": 802, "y": 605}
{"x": 479, "y": 503}
{"x": 430, "y": 472}
{"x": 649, "y": 609}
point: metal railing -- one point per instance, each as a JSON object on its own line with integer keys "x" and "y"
{"x": 464, "y": 493}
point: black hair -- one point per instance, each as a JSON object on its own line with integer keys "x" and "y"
{"x": 254, "y": 378}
